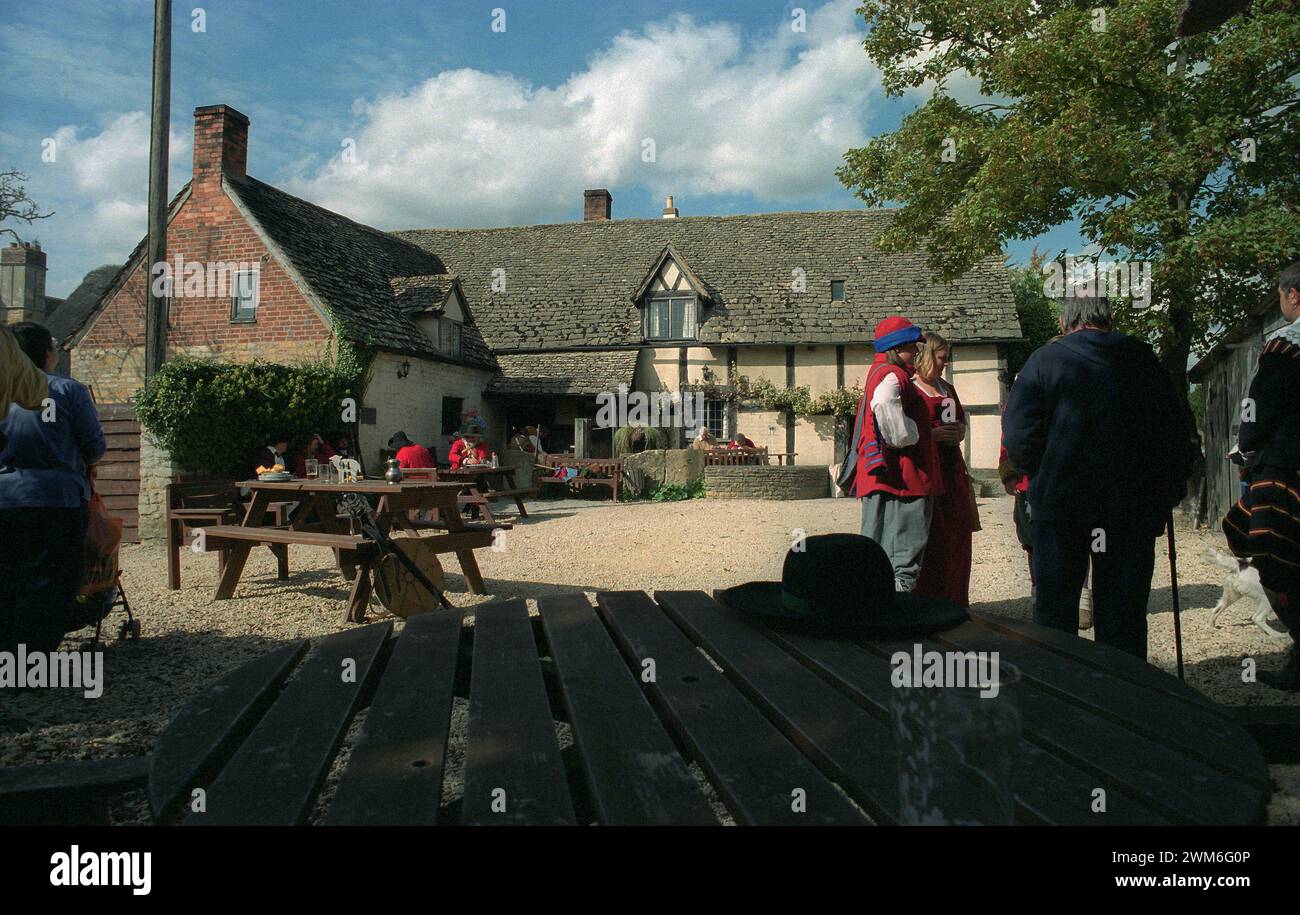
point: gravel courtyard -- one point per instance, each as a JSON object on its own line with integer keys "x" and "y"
{"x": 565, "y": 546}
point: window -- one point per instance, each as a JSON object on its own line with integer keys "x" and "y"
{"x": 837, "y": 290}
{"x": 715, "y": 419}
{"x": 670, "y": 318}
{"x": 243, "y": 300}
{"x": 454, "y": 341}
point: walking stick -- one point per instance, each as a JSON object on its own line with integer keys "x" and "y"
{"x": 1173, "y": 582}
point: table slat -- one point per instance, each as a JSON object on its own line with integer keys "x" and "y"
{"x": 634, "y": 772}
{"x": 1048, "y": 790}
{"x": 755, "y": 769}
{"x": 854, "y": 747}
{"x": 1212, "y": 739}
{"x": 274, "y": 776}
{"x": 394, "y": 772}
{"x": 1116, "y": 663}
{"x": 209, "y": 728}
{"x": 512, "y": 759}
{"x": 1181, "y": 788}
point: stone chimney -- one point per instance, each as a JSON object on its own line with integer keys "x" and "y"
{"x": 596, "y": 205}
{"x": 220, "y": 145}
{"x": 670, "y": 211}
{"x": 22, "y": 282}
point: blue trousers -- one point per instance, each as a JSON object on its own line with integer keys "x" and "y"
{"x": 1121, "y": 581}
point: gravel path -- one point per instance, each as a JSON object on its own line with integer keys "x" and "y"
{"x": 566, "y": 546}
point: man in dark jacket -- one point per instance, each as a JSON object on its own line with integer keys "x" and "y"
{"x": 1097, "y": 424}
{"x": 43, "y": 503}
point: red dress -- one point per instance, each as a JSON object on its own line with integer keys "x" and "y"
{"x": 945, "y": 570}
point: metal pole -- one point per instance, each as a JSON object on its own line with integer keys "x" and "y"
{"x": 1173, "y": 587}
{"x": 155, "y": 321}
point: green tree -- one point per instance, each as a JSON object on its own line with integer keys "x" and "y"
{"x": 1037, "y": 313}
{"x": 1184, "y": 153}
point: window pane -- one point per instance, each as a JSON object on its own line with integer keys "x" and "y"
{"x": 678, "y": 318}
{"x": 837, "y": 290}
{"x": 455, "y": 339}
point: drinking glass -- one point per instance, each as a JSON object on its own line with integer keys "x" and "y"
{"x": 956, "y": 752}
{"x": 313, "y": 468}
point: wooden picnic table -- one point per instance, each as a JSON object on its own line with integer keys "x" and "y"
{"x": 484, "y": 483}
{"x": 650, "y": 686}
{"x": 316, "y": 522}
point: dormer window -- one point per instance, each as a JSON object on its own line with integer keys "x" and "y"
{"x": 670, "y": 317}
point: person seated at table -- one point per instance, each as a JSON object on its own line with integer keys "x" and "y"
{"x": 468, "y": 450}
{"x": 343, "y": 447}
{"x": 739, "y": 440}
{"x": 704, "y": 440}
{"x": 408, "y": 453}
{"x": 317, "y": 450}
{"x": 524, "y": 439}
{"x": 274, "y": 453}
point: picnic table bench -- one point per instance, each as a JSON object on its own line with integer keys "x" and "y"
{"x": 611, "y": 470}
{"x": 660, "y": 693}
{"x": 316, "y": 523}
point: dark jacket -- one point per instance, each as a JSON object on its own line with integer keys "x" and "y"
{"x": 1097, "y": 424}
{"x": 1274, "y": 429}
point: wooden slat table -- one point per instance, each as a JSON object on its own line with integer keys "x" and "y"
{"x": 680, "y": 712}
{"x": 316, "y": 522}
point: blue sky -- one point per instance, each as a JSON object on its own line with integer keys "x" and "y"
{"x": 451, "y": 122}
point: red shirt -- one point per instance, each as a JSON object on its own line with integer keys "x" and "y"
{"x": 414, "y": 456}
{"x": 744, "y": 443}
{"x": 460, "y": 450}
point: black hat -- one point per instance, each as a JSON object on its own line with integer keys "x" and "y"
{"x": 399, "y": 441}
{"x": 842, "y": 583}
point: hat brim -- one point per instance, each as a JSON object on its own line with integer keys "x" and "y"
{"x": 913, "y": 614}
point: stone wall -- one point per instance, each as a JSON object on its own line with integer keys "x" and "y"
{"x": 670, "y": 467}
{"x": 772, "y": 482}
{"x": 156, "y": 471}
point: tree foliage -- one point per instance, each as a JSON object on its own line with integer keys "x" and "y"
{"x": 1181, "y": 152}
{"x": 212, "y": 416}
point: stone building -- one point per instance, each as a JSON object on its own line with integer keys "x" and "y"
{"x": 529, "y": 324}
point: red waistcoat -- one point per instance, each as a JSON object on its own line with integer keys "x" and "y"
{"x": 910, "y": 471}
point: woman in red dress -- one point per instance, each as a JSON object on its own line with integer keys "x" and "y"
{"x": 945, "y": 570}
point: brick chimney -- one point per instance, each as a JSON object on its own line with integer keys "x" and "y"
{"x": 220, "y": 145}
{"x": 22, "y": 282}
{"x": 670, "y": 211}
{"x": 596, "y": 205}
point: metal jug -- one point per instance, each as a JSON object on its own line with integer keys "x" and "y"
{"x": 394, "y": 473}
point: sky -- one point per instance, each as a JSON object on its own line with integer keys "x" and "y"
{"x": 404, "y": 114}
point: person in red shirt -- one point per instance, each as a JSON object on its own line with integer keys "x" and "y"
{"x": 898, "y": 475}
{"x": 468, "y": 450}
{"x": 408, "y": 453}
{"x": 318, "y": 449}
{"x": 739, "y": 440}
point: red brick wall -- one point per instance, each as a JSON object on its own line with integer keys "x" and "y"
{"x": 208, "y": 228}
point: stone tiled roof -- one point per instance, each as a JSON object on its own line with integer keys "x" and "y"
{"x": 351, "y": 268}
{"x": 69, "y": 316}
{"x": 579, "y": 373}
{"x": 570, "y": 285}
{"x": 424, "y": 293}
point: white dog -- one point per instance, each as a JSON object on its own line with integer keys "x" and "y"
{"x": 1241, "y": 581}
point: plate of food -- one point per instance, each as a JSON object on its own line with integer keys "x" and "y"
{"x": 274, "y": 474}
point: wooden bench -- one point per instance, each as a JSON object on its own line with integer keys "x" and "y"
{"x": 611, "y": 467}
{"x": 732, "y": 457}
{"x": 194, "y": 504}
{"x": 68, "y": 793}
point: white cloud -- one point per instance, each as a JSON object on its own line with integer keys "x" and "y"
{"x": 97, "y": 187}
{"x": 769, "y": 116}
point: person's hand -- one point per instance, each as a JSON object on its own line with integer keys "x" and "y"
{"x": 950, "y": 432}
{"x": 1010, "y": 487}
